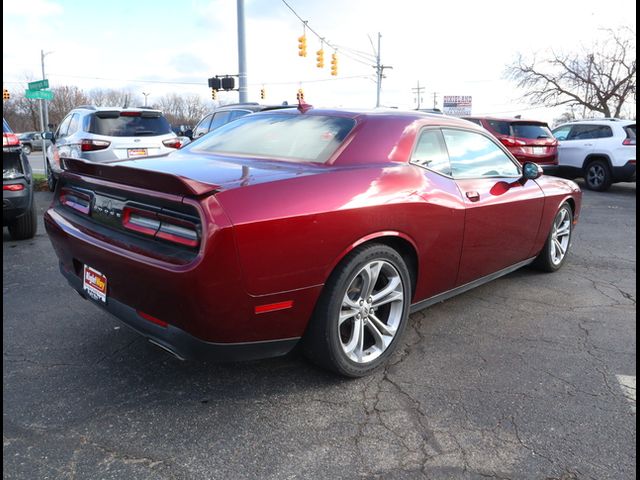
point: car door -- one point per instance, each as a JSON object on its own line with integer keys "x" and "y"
{"x": 502, "y": 215}
{"x": 576, "y": 145}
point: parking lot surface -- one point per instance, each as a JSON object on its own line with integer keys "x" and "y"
{"x": 531, "y": 376}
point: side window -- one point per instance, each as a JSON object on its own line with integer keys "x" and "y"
{"x": 64, "y": 127}
{"x": 587, "y": 132}
{"x": 220, "y": 119}
{"x": 431, "y": 152}
{"x": 473, "y": 155}
{"x": 202, "y": 127}
{"x": 74, "y": 124}
{"x": 561, "y": 133}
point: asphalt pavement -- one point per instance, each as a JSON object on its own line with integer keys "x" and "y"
{"x": 531, "y": 376}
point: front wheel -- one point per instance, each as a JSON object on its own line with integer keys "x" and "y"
{"x": 362, "y": 312}
{"x": 558, "y": 242}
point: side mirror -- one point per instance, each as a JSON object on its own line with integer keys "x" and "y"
{"x": 48, "y": 136}
{"x": 531, "y": 171}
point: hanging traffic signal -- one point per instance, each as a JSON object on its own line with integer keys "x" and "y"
{"x": 5, "y": 94}
{"x": 334, "y": 64}
{"x": 263, "y": 93}
{"x": 320, "y": 58}
{"x": 300, "y": 95}
{"x": 214, "y": 94}
{"x": 302, "y": 45}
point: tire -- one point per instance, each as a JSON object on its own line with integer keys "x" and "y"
{"x": 25, "y": 226}
{"x": 597, "y": 176}
{"x": 370, "y": 329}
{"x": 26, "y": 148}
{"x": 51, "y": 179}
{"x": 556, "y": 248}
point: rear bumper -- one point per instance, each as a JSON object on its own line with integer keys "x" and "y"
{"x": 626, "y": 173}
{"x": 15, "y": 204}
{"x": 180, "y": 343}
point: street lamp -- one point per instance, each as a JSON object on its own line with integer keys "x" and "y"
{"x": 145, "y": 97}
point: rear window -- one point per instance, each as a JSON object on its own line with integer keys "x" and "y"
{"x": 299, "y": 138}
{"x": 530, "y": 130}
{"x": 129, "y": 126}
{"x": 631, "y": 132}
{"x": 500, "y": 127}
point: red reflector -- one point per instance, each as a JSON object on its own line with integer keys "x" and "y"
{"x": 152, "y": 319}
{"x": 13, "y": 188}
{"x": 272, "y": 307}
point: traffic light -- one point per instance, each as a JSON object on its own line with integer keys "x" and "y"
{"x": 214, "y": 94}
{"x": 300, "y": 95}
{"x": 334, "y": 64}
{"x": 320, "y": 58}
{"x": 263, "y": 93}
{"x": 302, "y": 45}
{"x": 5, "y": 94}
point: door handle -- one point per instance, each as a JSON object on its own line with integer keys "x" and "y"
{"x": 588, "y": 144}
{"x": 473, "y": 196}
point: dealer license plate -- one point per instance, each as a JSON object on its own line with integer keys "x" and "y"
{"x": 94, "y": 284}
{"x": 137, "y": 152}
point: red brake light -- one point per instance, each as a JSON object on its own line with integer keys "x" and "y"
{"x": 79, "y": 201}
{"x": 130, "y": 114}
{"x": 87, "y": 145}
{"x": 10, "y": 140}
{"x": 16, "y": 187}
{"x": 172, "y": 143}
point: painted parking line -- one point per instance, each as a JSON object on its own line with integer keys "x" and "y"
{"x": 628, "y": 386}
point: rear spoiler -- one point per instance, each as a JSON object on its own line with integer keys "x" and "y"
{"x": 139, "y": 177}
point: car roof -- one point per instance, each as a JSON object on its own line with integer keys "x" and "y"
{"x": 252, "y": 106}
{"x": 601, "y": 121}
{"x": 116, "y": 109}
{"x": 504, "y": 119}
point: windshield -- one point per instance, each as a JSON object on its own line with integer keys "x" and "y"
{"x": 299, "y": 138}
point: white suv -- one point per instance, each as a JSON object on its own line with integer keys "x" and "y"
{"x": 601, "y": 151}
{"x": 103, "y": 134}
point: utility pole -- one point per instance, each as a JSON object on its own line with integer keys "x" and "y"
{"x": 242, "y": 55}
{"x": 44, "y": 102}
{"x": 379, "y": 70}
{"x": 145, "y": 97}
{"x": 418, "y": 91}
{"x": 435, "y": 100}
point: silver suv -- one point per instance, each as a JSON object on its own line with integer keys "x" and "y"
{"x": 601, "y": 151}
{"x": 102, "y": 134}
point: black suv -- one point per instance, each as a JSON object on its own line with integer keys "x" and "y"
{"x": 18, "y": 206}
{"x": 223, "y": 115}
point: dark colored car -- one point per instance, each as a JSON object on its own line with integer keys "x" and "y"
{"x": 31, "y": 141}
{"x": 325, "y": 227}
{"x": 228, "y": 113}
{"x": 18, "y": 206}
{"x": 527, "y": 140}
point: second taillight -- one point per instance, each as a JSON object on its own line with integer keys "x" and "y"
{"x": 87, "y": 145}
{"x": 161, "y": 226}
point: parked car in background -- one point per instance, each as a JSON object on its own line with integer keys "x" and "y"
{"x": 31, "y": 141}
{"x": 600, "y": 151}
{"x": 103, "y": 134}
{"x": 325, "y": 227}
{"x": 223, "y": 115}
{"x": 18, "y": 206}
{"x": 527, "y": 140}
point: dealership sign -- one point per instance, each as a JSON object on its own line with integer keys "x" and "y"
{"x": 456, "y": 105}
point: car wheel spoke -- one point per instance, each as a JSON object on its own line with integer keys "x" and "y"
{"x": 389, "y": 293}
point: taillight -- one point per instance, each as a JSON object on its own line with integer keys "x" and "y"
{"x": 161, "y": 226}
{"x": 130, "y": 114}
{"x": 172, "y": 143}
{"x": 79, "y": 201}
{"x": 508, "y": 141}
{"x": 10, "y": 140}
{"x": 87, "y": 145}
{"x": 629, "y": 141}
{"x": 16, "y": 187}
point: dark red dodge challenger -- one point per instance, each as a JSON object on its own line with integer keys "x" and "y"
{"x": 325, "y": 227}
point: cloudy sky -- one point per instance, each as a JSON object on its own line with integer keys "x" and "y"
{"x": 157, "y": 46}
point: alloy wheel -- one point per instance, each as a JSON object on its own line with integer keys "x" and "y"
{"x": 560, "y": 236}
{"x": 371, "y": 311}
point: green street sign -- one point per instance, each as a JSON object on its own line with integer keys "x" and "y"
{"x": 39, "y": 94}
{"x": 39, "y": 85}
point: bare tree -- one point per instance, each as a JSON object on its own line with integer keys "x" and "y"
{"x": 109, "y": 97}
{"x": 600, "y": 79}
{"x": 65, "y": 99}
{"x": 182, "y": 110}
